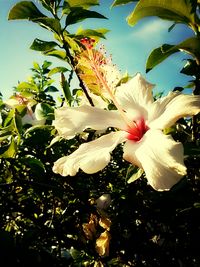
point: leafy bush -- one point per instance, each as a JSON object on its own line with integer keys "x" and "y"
{"x": 101, "y": 219}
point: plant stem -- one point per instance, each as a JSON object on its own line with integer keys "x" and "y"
{"x": 72, "y": 63}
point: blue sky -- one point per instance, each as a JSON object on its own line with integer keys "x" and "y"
{"x": 129, "y": 46}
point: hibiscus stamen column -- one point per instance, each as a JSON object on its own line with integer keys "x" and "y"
{"x": 97, "y": 60}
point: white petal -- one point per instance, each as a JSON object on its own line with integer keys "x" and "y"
{"x": 90, "y": 157}
{"x": 135, "y": 96}
{"x": 160, "y": 157}
{"x": 167, "y": 110}
{"x": 32, "y": 120}
{"x": 70, "y": 121}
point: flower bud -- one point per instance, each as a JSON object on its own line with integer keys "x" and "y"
{"x": 103, "y": 202}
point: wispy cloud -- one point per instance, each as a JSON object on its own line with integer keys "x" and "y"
{"x": 151, "y": 29}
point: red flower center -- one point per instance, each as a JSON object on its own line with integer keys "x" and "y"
{"x": 137, "y": 132}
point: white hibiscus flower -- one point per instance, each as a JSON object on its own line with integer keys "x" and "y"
{"x": 139, "y": 121}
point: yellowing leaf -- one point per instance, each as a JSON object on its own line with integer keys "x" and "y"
{"x": 103, "y": 244}
{"x": 89, "y": 229}
{"x": 105, "y": 223}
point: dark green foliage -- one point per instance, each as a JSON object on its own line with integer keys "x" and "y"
{"x": 42, "y": 213}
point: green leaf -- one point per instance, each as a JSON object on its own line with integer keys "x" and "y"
{"x": 158, "y": 55}
{"x": 6, "y": 131}
{"x": 172, "y": 27}
{"x": 190, "y": 85}
{"x": 51, "y": 89}
{"x": 57, "y": 70}
{"x": 9, "y": 150}
{"x": 23, "y": 86}
{"x": 190, "y": 46}
{"x": 79, "y": 14}
{"x": 72, "y": 43}
{"x": 122, "y": 2}
{"x": 178, "y": 11}
{"x": 69, "y": 4}
{"x": 39, "y": 135}
{"x": 46, "y": 64}
{"x": 17, "y": 120}
{"x": 92, "y": 33}
{"x": 35, "y": 164}
{"x": 83, "y": 3}
{"x": 5, "y": 137}
{"x": 49, "y": 24}
{"x": 46, "y": 4}
{"x": 43, "y": 111}
{"x": 25, "y": 10}
{"x": 191, "y": 68}
{"x": 40, "y": 45}
{"x": 178, "y": 89}
{"x": 9, "y": 118}
{"x": 196, "y": 205}
{"x": 66, "y": 89}
{"x": 36, "y": 66}
{"x": 76, "y": 254}
{"x": 125, "y": 78}
{"x": 40, "y": 130}
{"x": 136, "y": 175}
{"x": 1, "y": 102}
{"x": 56, "y": 53}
